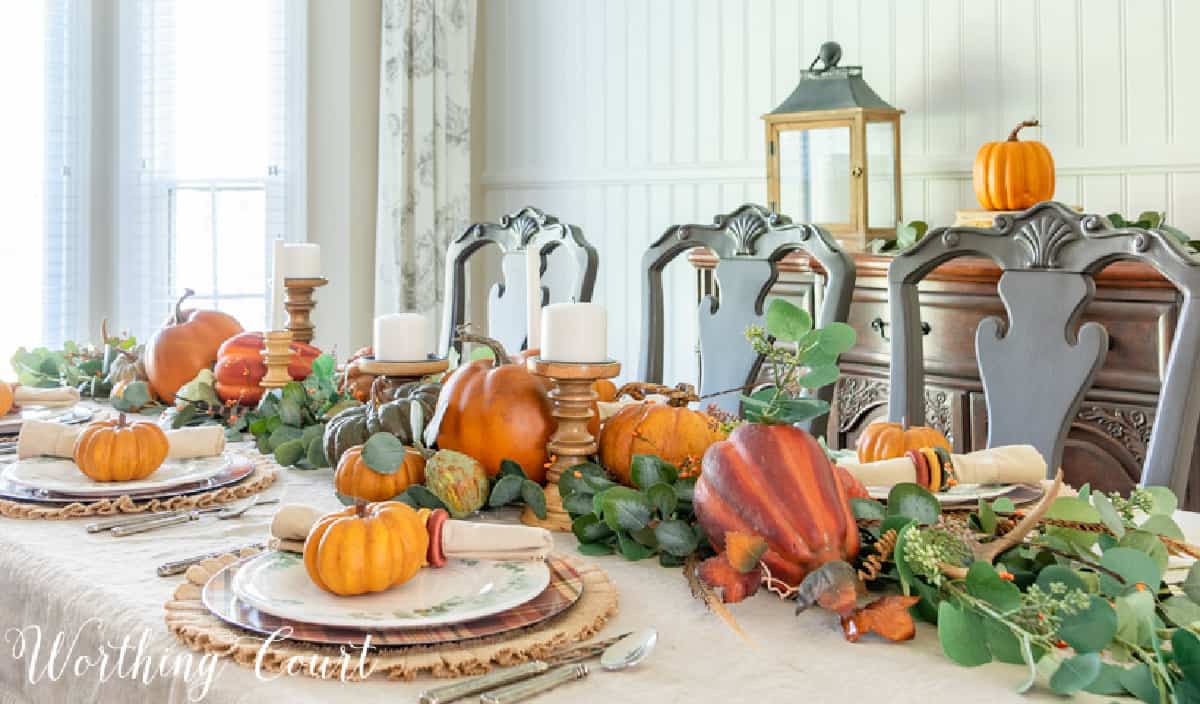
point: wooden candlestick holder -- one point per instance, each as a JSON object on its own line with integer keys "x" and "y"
{"x": 299, "y": 302}
{"x": 277, "y": 354}
{"x": 389, "y": 376}
{"x": 571, "y": 399}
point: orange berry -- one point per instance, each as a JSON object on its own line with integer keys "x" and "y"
{"x": 1007, "y": 576}
{"x": 1140, "y": 586}
{"x": 578, "y": 474}
{"x": 1061, "y": 644}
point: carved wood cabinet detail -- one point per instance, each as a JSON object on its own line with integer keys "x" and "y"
{"x": 1107, "y": 442}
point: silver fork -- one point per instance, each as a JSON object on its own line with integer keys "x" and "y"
{"x": 224, "y": 513}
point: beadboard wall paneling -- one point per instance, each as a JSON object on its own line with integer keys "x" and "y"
{"x": 627, "y": 116}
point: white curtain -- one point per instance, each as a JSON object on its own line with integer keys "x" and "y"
{"x": 424, "y": 148}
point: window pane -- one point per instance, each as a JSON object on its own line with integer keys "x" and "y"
{"x": 881, "y": 163}
{"x": 814, "y": 175}
{"x": 250, "y": 312}
{"x": 22, "y": 169}
{"x": 241, "y": 246}
{"x": 193, "y": 240}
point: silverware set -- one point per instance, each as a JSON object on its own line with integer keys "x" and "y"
{"x": 516, "y": 684}
{"x": 132, "y": 525}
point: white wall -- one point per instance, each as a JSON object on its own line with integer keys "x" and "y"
{"x": 625, "y": 116}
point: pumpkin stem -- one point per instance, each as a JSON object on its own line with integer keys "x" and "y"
{"x": 187, "y": 293}
{"x": 678, "y": 396}
{"x": 121, "y": 421}
{"x": 360, "y": 508}
{"x": 1012, "y": 136}
{"x": 463, "y": 334}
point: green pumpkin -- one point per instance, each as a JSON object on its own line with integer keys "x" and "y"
{"x": 355, "y": 424}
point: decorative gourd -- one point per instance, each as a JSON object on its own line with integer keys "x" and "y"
{"x": 355, "y": 478}
{"x": 458, "y": 480}
{"x": 605, "y": 390}
{"x": 240, "y": 366}
{"x": 6, "y": 398}
{"x": 883, "y": 440}
{"x": 493, "y": 410}
{"x": 775, "y": 482}
{"x": 355, "y": 424}
{"x": 117, "y": 451}
{"x": 669, "y": 430}
{"x": 187, "y": 343}
{"x": 366, "y": 548}
{"x": 354, "y": 381}
{"x": 1013, "y": 175}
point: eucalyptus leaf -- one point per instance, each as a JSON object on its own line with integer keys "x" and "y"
{"x": 1090, "y": 630}
{"x": 836, "y": 338}
{"x": 571, "y": 485}
{"x": 1160, "y": 524}
{"x": 596, "y": 549}
{"x": 1185, "y": 647}
{"x": 1004, "y": 505}
{"x": 1108, "y": 514}
{"x": 787, "y": 322}
{"x": 664, "y": 499}
{"x": 1191, "y": 584}
{"x": 589, "y": 528}
{"x": 648, "y": 470}
{"x": 384, "y": 453}
{"x": 534, "y": 497}
{"x": 646, "y": 537}
{"x": 685, "y": 489}
{"x": 816, "y": 377}
{"x": 1134, "y": 566}
{"x": 290, "y": 452}
{"x": 987, "y": 517}
{"x": 506, "y": 491}
{"x": 1108, "y": 682}
{"x": 1148, "y": 543}
{"x": 1003, "y": 644}
{"x": 289, "y": 412}
{"x": 424, "y": 497}
{"x": 676, "y": 537}
{"x": 284, "y": 433}
{"x": 626, "y": 509}
{"x": 1072, "y": 508}
{"x": 983, "y": 582}
{"x": 1165, "y": 501}
{"x": 578, "y": 504}
{"x": 1060, "y": 573}
{"x": 913, "y": 501}
{"x": 867, "y": 509}
{"x": 631, "y": 549}
{"x": 1139, "y": 681}
{"x": 508, "y": 467}
{"x": 1181, "y": 611}
{"x": 958, "y": 632}
{"x": 1075, "y": 673}
{"x": 316, "y": 454}
{"x": 903, "y": 569}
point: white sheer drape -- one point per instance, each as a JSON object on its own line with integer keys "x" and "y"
{"x": 424, "y": 147}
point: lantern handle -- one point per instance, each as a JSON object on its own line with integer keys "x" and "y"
{"x": 829, "y": 55}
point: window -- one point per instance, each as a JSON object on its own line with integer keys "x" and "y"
{"x": 217, "y": 107}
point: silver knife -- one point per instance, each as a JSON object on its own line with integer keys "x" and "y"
{"x": 499, "y": 678}
{"x": 122, "y": 531}
{"x": 101, "y": 526}
{"x": 521, "y": 691}
{"x": 168, "y": 569}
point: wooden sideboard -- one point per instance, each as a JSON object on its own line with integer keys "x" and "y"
{"x": 1108, "y": 439}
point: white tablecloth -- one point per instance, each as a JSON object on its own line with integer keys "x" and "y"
{"x": 96, "y": 590}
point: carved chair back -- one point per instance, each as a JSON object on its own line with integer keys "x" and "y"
{"x": 516, "y": 233}
{"x": 1037, "y": 367}
{"x": 748, "y": 244}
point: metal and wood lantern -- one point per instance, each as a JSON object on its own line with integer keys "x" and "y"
{"x": 833, "y": 153}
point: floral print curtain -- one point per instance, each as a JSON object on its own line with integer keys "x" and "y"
{"x": 427, "y": 51}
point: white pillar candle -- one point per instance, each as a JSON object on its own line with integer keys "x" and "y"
{"x": 575, "y": 332}
{"x": 277, "y": 285}
{"x": 533, "y": 297}
{"x": 301, "y": 261}
{"x": 403, "y": 337}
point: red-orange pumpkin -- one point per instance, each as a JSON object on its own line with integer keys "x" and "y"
{"x": 240, "y": 366}
{"x": 774, "y": 481}
{"x": 187, "y": 343}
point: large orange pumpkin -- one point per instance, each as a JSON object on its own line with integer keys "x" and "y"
{"x": 117, "y": 451}
{"x": 883, "y": 441}
{"x": 675, "y": 433}
{"x": 240, "y": 366}
{"x": 774, "y": 481}
{"x": 187, "y": 343}
{"x": 493, "y": 410}
{"x": 366, "y": 548}
{"x": 6, "y": 398}
{"x": 1013, "y": 175}
{"x": 356, "y": 479}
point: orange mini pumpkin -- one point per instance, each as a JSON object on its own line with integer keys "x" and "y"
{"x": 6, "y": 398}
{"x": 117, "y": 451}
{"x": 367, "y": 547}
{"x": 673, "y": 432}
{"x": 883, "y": 441}
{"x": 493, "y": 410}
{"x": 355, "y": 478}
{"x": 1013, "y": 175}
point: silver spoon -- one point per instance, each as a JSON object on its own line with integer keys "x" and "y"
{"x": 627, "y": 652}
{"x": 237, "y": 511}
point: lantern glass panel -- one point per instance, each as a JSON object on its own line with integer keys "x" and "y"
{"x": 881, "y": 174}
{"x": 814, "y": 174}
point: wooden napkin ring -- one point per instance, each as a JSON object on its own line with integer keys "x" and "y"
{"x": 436, "y": 557}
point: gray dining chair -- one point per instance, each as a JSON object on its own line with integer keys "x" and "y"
{"x": 1037, "y": 368}
{"x": 748, "y": 243}
{"x": 506, "y": 304}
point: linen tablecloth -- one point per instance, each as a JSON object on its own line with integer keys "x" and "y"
{"x": 94, "y": 591}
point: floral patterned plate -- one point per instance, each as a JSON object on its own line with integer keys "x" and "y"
{"x": 60, "y": 475}
{"x": 463, "y": 590}
{"x": 972, "y": 493}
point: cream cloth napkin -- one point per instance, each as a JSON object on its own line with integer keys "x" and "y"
{"x": 46, "y": 439}
{"x": 1011, "y": 464}
{"x": 462, "y": 540}
{"x": 33, "y": 396}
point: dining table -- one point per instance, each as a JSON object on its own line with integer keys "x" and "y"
{"x": 82, "y": 618}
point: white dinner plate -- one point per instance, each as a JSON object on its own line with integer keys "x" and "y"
{"x": 462, "y": 590}
{"x": 63, "y": 476}
{"x": 961, "y": 493}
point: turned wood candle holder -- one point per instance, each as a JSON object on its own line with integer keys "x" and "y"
{"x": 571, "y": 398}
{"x": 391, "y": 375}
{"x": 299, "y": 302}
{"x": 276, "y": 354}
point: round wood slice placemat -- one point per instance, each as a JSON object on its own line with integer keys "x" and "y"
{"x": 192, "y": 623}
{"x": 264, "y": 475}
